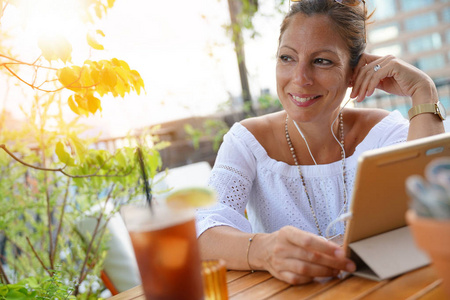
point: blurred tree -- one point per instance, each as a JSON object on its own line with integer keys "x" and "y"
{"x": 241, "y": 17}
{"x": 51, "y": 178}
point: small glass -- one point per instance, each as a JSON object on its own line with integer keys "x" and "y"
{"x": 215, "y": 279}
{"x": 166, "y": 248}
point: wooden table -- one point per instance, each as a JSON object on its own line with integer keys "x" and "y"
{"x": 420, "y": 284}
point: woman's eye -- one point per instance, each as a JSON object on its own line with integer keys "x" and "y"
{"x": 285, "y": 58}
{"x": 322, "y": 61}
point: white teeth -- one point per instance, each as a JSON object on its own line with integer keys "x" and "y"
{"x": 302, "y": 99}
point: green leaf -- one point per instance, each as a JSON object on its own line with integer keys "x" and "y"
{"x": 63, "y": 155}
{"x": 121, "y": 159}
{"x": 80, "y": 149}
{"x": 17, "y": 295}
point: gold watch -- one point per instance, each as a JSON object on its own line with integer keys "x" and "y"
{"x": 434, "y": 108}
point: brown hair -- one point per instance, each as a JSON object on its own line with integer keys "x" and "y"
{"x": 349, "y": 21}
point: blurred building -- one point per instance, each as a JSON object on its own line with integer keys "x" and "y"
{"x": 417, "y": 31}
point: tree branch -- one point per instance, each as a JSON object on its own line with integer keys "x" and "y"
{"x": 38, "y": 258}
{"x": 25, "y": 63}
{"x": 3, "y": 277}
{"x": 58, "y": 232}
{"x": 83, "y": 272}
{"x": 30, "y": 85}
{"x": 61, "y": 170}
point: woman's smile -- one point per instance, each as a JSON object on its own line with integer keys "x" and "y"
{"x": 304, "y": 100}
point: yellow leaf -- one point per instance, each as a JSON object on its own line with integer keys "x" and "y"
{"x": 95, "y": 75}
{"x": 86, "y": 79}
{"x": 78, "y": 105}
{"x": 98, "y": 11}
{"x": 73, "y": 106}
{"x": 109, "y": 77}
{"x": 124, "y": 65}
{"x": 69, "y": 77}
{"x": 83, "y": 106}
{"x": 92, "y": 41}
{"x": 138, "y": 83}
{"x": 115, "y": 62}
{"x": 94, "y": 103}
{"x": 98, "y": 31}
{"x": 122, "y": 74}
{"x": 54, "y": 47}
{"x": 111, "y": 3}
{"x": 120, "y": 88}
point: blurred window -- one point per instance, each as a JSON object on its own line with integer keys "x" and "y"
{"x": 431, "y": 62}
{"x": 448, "y": 36}
{"x": 425, "y": 43}
{"x": 393, "y": 49}
{"x": 383, "y": 8}
{"x": 446, "y": 14}
{"x": 384, "y": 33}
{"x": 421, "y": 21}
{"x": 408, "y": 5}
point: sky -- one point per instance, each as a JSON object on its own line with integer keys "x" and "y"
{"x": 179, "y": 47}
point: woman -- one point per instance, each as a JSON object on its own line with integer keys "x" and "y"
{"x": 293, "y": 170}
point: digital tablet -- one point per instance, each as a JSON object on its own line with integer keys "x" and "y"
{"x": 379, "y": 199}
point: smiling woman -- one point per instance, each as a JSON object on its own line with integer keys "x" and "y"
{"x": 292, "y": 171}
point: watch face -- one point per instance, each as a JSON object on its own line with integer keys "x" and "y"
{"x": 442, "y": 112}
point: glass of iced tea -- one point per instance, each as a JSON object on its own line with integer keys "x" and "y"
{"x": 166, "y": 249}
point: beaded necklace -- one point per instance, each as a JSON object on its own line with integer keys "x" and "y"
{"x": 294, "y": 156}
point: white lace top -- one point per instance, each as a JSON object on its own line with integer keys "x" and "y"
{"x": 245, "y": 177}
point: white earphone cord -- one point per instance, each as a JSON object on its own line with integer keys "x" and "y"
{"x": 341, "y": 215}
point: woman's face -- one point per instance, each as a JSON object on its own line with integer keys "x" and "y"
{"x": 313, "y": 70}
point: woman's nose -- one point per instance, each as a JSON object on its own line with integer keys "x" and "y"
{"x": 303, "y": 75}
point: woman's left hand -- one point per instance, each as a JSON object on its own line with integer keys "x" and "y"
{"x": 393, "y": 76}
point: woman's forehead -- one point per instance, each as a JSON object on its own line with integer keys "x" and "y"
{"x": 311, "y": 32}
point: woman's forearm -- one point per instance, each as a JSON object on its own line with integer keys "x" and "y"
{"x": 425, "y": 124}
{"x": 227, "y": 243}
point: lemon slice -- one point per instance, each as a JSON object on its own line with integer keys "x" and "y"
{"x": 195, "y": 197}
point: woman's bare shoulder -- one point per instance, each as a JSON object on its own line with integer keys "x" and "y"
{"x": 366, "y": 117}
{"x": 262, "y": 127}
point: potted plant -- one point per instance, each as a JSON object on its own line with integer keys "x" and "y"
{"x": 429, "y": 216}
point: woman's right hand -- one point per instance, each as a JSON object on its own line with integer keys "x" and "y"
{"x": 297, "y": 256}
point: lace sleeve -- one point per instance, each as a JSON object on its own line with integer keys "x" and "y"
{"x": 232, "y": 178}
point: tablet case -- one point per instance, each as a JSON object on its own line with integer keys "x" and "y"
{"x": 377, "y": 237}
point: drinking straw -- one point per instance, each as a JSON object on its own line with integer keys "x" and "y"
{"x": 147, "y": 189}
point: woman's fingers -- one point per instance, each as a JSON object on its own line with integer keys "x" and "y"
{"x": 369, "y": 76}
{"x": 314, "y": 263}
{"x": 307, "y": 247}
{"x": 309, "y": 241}
{"x": 306, "y": 270}
{"x": 389, "y": 74}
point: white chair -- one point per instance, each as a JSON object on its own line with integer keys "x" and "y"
{"x": 120, "y": 270}
{"x": 195, "y": 174}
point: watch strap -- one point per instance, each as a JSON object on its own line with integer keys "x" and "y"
{"x": 422, "y": 109}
